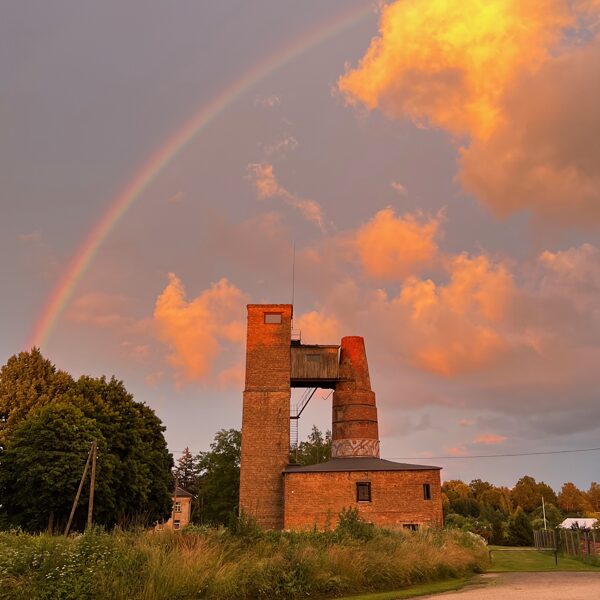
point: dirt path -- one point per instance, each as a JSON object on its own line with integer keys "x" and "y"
{"x": 529, "y": 586}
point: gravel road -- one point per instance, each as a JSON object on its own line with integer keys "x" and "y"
{"x": 528, "y": 586}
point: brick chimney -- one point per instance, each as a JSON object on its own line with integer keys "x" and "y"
{"x": 354, "y": 429}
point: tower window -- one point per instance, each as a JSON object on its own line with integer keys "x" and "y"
{"x": 363, "y": 491}
{"x": 273, "y": 318}
{"x": 411, "y": 526}
{"x": 426, "y": 491}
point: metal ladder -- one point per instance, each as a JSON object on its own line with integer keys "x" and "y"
{"x": 295, "y": 412}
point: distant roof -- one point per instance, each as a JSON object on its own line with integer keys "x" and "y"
{"x": 357, "y": 464}
{"x": 582, "y": 523}
{"x": 180, "y": 492}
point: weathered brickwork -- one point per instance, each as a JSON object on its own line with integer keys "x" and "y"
{"x": 397, "y": 499}
{"x": 279, "y": 495}
{"x": 354, "y": 420}
{"x": 266, "y": 415}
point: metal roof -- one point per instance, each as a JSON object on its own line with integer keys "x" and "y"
{"x": 359, "y": 463}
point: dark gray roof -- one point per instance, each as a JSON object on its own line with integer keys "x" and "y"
{"x": 181, "y": 493}
{"x": 357, "y": 464}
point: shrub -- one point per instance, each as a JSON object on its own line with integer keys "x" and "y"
{"x": 222, "y": 564}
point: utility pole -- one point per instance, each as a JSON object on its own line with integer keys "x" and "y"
{"x": 544, "y": 512}
{"x": 85, "y": 470}
{"x": 92, "y": 485}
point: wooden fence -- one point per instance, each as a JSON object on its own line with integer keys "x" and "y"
{"x": 574, "y": 542}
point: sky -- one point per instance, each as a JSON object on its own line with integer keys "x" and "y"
{"x": 432, "y": 166}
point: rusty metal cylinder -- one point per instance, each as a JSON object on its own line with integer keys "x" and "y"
{"x": 354, "y": 425}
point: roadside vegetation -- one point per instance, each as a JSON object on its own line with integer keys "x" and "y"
{"x": 232, "y": 563}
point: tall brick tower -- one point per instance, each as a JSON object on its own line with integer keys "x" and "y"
{"x": 266, "y": 413}
{"x": 355, "y": 432}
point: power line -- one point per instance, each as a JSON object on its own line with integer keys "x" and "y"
{"x": 469, "y": 455}
{"x": 494, "y": 455}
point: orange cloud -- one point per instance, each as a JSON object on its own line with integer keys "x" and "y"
{"x": 448, "y": 63}
{"x": 318, "y": 328}
{"x": 542, "y": 157}
{"x": 198, "y": 331}
{"x": 391, "y": 247}
{"x": 518, "y": 78}
{"x": 489, "y": 439}
{"x": 456, "y": 451}
{"x": 455, "y": 326}
{"x": 267, "y": 186}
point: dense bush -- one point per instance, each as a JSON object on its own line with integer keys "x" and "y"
{"x": 222, "y": 564}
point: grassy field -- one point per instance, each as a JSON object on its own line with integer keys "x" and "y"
{"x": 220, "y": 564}
{"x": 517, "y": 559}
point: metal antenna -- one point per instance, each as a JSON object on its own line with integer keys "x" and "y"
{"x": 293, "y": 273}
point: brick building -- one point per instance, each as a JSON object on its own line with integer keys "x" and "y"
{"x": 282, "y": 495}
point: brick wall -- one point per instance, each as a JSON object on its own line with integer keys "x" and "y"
{"x": 266, "y": 415}
{"x": 396, "y": 498}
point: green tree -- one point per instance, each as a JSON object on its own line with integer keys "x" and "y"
{"x": 478, "y": 487}
{"x": 593, "y": 496}
{"x": 528, "y": 494}
{"x": 42, "y": 464}
{"x": 136, "y": 450}
{"x": 498, "y": 499}
{"x": 519, "y": 532}
{"x": 554, "y": 517}
{"x": 134, "y": 480}
{"x": 460, "y": 497}
{"x": 219, "y": 485}
{"x": 28, "y": 381}
{"x": 186, "y": 471}
{"x": 572, "y": 500}
{"x": 315, "y": 449}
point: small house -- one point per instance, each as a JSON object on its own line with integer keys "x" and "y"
{"x": 181, "y": 513}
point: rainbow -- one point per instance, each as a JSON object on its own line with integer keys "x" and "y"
{"x": 85, "y": 253}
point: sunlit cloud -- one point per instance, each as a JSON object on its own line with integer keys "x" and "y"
{"x": 514, "y": 82}
{"x": 392, "y": 247}
{"x": 281, "y": 146}
{"x": 317, "y": 328}
{"x": 456, "y": 450}
{"x": 399, "y": 188}
{"x": 489, "y": 439}
{"x": 199, "y": 331}
{"x": 266, "y": 184}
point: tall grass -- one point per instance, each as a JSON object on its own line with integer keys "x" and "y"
{"x": 218, "y": 564}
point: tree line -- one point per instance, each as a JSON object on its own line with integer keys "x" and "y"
{"x": 213, "y": 477}
{"x": 48, "y": 420}
{"x": 505, "y": 515}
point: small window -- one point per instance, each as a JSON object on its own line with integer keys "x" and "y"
{"x": 426, "y": 491}
{"x": 177, "y": 507}
{"x": 363, "y": 491}
{"x": 176, "y": 524}
{"x": 273, "y": 318}
{"x": 313, "y": 358}
{"x": 411, "y": 526}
